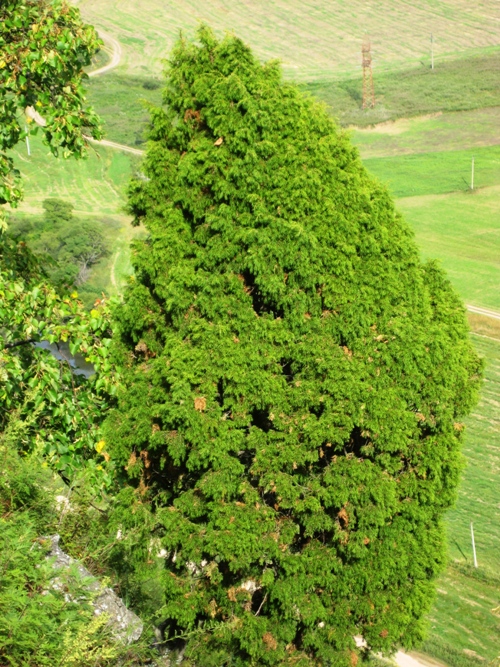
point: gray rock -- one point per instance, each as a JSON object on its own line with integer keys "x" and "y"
{"x": 126, "y": 626}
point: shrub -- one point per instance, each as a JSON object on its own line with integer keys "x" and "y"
{"x": 295, "y": 377}
{"x": 151, "y": 84}
{"x": 34, "y": 613}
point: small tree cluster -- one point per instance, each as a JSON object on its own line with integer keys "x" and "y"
{"x": 71, "y": 245}
{"x": 296, "y": 377}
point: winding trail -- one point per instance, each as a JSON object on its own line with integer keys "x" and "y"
{"x": 116, "y": 54}
{"x": 113, "y": 144}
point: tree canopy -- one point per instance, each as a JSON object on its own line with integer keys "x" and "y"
{"x": 44, "y": 407}
{"x": 71, "y": 245}
{"x": 296, "y": 376}
{"x": 44, "y": 47}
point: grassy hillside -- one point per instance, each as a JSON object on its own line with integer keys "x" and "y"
{"x": 314, "y": 39}
{"x": 462, "y": 230}
{"x": 121, "y": 101}
{"x": 452, "y": 223}
{"x": 438, "y": 131}
{"x": 437, "y": 172}
{"x": 457, "y": 84}
{"x": 465, "y": 621}
{"x": 95, "y": 187}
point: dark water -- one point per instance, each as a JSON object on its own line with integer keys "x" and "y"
{"x": 61, "y": 352}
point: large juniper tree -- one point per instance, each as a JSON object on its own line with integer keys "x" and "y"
{"x": 296, "y": 377}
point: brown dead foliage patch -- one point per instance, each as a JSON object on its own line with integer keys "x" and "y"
{"x": 200, "y": 403}
{"x": 343, "y": 517}
{"x": 270, "y": 641}
{"x": 192, "y": 114}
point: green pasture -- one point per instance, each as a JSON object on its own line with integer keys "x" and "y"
{"x": 93, "y": 185}
{"x": 458, "y": 84}
{"x": 437, "y": 172}
{"x": 452, "y": 223}
{"x": 479, "y": 494}
{"x": 452, "y": 131}
{"x": 465, "y": 620}
{"x": 315, "y": 40}
{"x": 462, "y": 230}
{"x": 121, "y": 102}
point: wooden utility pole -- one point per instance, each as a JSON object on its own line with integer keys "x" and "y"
{"x": 368, "y": 89}
{"x": 473, "y": 544}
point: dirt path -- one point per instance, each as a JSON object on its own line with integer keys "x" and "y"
{"x": 414, "y": 659}
{"x": 113, "y": 144}
{"x": 116, "y": 54}
{"x": 486, "y": 312}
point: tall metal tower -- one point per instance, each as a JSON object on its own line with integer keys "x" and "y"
{"x": 368, "y": 89}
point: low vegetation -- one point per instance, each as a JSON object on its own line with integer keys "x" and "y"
{"x": 122, "y": 102}
{"x": 454, "y": 85}
{"x": 465, "y": 621}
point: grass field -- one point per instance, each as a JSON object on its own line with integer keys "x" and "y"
{"x": 439, "y": 131}
{"x": 437, "y": 172}
{"x": 458, "y": 84}
{"x": 463, "y": 231}
{"x": 121, "y": 102}
{"x": 452, "y": 223}
{"x": 95, "y": 187}
{"x": 315, "y": 39}
{"x": 465, "y": 621}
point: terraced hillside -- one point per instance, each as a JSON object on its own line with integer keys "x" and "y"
{"x": 313, "y": 38}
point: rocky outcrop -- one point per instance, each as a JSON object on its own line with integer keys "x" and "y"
{"x": 125, "y": 625}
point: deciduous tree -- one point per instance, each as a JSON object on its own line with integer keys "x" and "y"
{"x": 44, "y": 47}
{"x": 44, "y": 407}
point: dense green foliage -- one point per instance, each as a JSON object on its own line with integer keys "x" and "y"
{"x": 295, "y": 377}
{"x": 43, "y": 48}
{"x": 71, "y": 245}
{"x": 46, "y": 617}
{"x": 43, "y": 403}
